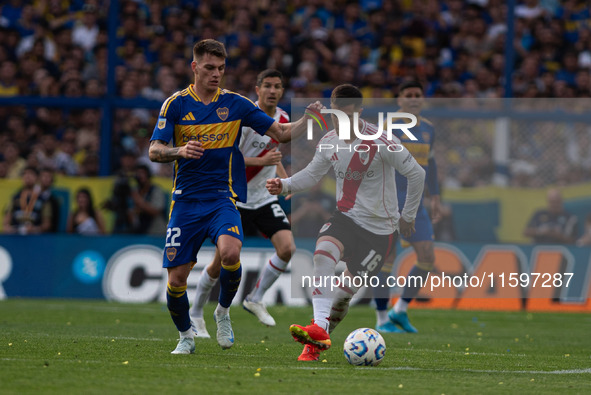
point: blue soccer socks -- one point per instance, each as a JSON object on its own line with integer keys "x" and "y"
{"x": 230, "y": 277}
{"x": 177, "y": 302}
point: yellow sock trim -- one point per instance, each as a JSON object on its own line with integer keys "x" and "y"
{"x": 176, "y": 292}
{"x": 232, "y": 268}
{"x": 387, "y": 268}
{"x": 428, "y": 266}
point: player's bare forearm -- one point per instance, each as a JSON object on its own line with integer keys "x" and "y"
{"x": 436, "y": 212}
{"x": 253, "y": 161}
{"x": 281, "y": 171}
{"x": 285, "y": 132}
{"x": 162, "y": 153}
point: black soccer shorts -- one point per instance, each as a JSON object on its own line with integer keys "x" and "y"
{"x": 268, "y": 220}
{"x": 365, "y": 252}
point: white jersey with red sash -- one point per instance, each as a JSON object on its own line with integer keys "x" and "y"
{"x": 252, "y": 145}
{"x": 364, "y": 171}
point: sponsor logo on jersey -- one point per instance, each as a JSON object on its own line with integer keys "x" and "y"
{"x": 205, "y": 138}
{"x": 189, "y": 117}
{"x": 212, "y": 136}
{"x": 223, "y": 113}
{"x": 354, "y": 174}
{"x": 325, "y": 227}
{"x": 266, "y": 146}
{"x": 161, "y": 123}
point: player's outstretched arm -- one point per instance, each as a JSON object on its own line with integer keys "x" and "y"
{"x": 162, "y": 153}
{"x": 285, "y": 132}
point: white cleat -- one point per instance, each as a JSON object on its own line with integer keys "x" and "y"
{"x": 199, "y": 329}
{"x": 260, "y": 311}
{"x": 186, "y": 346}
{"x": 225, "y": 334}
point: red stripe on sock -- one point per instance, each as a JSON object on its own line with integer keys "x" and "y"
{"x": 275, "y": 267}
{"x": 333, "y": 243}
{"x": 322, "y": 252}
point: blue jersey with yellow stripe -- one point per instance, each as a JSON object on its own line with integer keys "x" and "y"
{"x": 422, "y": 151}
{"x": 220, "y": 172}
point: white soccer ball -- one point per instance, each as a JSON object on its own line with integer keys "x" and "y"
{"x": 364, "y": 346}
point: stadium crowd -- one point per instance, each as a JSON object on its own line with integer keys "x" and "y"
{"x": 456, "y": 48}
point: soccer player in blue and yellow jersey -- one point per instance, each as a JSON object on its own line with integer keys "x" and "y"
{"x": 204, "y": 123}
{"x": 410, "y": 99}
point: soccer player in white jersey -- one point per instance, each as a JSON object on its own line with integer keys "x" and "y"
{"x": 261, "y": 213}
{"x": 364, "y": 228}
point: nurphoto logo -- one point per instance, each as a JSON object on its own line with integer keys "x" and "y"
{"x": 345, "y": 124}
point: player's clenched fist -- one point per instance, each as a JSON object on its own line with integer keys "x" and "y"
{"x": 192, "y": 150}
{"x": 313, "y": 108}
{"x": 274, "y": 186}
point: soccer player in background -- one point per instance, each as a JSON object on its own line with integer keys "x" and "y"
{"x": 364, "y": 228}
{"x": 410, "y": 100}
{"x": 261, "y": 212}
{"x": 204, "y": 123}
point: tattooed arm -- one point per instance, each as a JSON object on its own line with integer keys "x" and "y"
{"x": 161, "y": 152}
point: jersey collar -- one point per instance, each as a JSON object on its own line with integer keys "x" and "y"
{"x": 197, "y": 98}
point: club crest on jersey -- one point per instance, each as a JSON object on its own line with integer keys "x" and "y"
{"x": 223, "y": 113}
{"x": 161, "y": 123}
{"x": 363, "y": 157}
{"x": 170, "y": 253}
{"x": 325, "y": 227}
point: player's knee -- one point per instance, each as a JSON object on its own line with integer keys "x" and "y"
{"x": 177, "y": 277}
{"x": 230, "y": 256}
{"x": 327, "y": 249}
{"x": 286, "y": 251}
{"x": 177, "y": 282}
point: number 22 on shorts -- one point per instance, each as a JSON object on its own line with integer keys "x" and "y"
{"x": 172, "y": 234}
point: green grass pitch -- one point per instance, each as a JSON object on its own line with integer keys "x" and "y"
{"x": 96, "y": 347}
